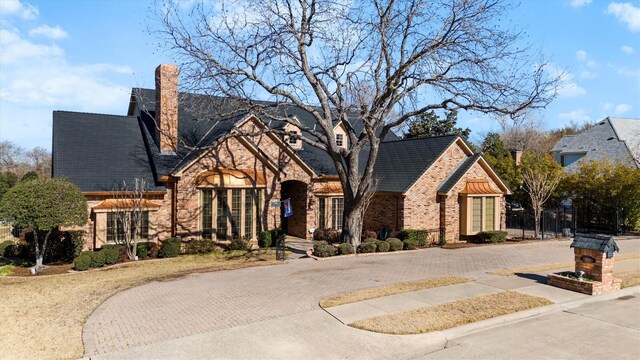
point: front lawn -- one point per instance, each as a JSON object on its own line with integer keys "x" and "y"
{"x": 43, "y": 316}
{"x": 449, "y": 315}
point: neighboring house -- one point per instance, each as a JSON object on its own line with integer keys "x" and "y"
{"x": 221, "y": 179}
{"x": 612, "y": 138}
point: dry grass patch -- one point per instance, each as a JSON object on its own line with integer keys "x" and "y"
{"x": 42, "y": 316}
{"x": 629, "y": 278}
{"x": 393, "y": 289}
{"x": 445, "y": 316}
{"x": 554, "y": 266}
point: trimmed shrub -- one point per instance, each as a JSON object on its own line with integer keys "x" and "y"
{"x": 322, "y": 250}
{"x": 367, "y": 247}
{"x": 369, "y": 234}
{"x": 142, "y": 250}
{"x": 420, "y": 236}
{"x": 204, "y": 246}
{"x": 264, "y": 239}
{"x": 170, "y": 248}
{"x": 410, "y": 244}
{"x": 238, "y": 244}
{"x": 320, "y": 242}
{"x": 83, "y": 261}
{"x": 495, "y": 236}
{"x": 97, "y": 259}
{"x": 329, "y": 235}
{"x": 121, "y": 249}
{"x": 62, "y": 246}
{"x": 382, "y": 246}
{"x": 370, "y": 240}
{"x": 345, "y": 249}
{"x": 110, "y": 256}
{"x": 394, "y": 244}
{"x": 153, "y": 249}
{"x": 4, "y": 245}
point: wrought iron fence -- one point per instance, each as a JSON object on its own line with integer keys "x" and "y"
{"x": 566, "y": 221}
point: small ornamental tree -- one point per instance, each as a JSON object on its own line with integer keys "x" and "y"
{"x": 541, "y": 174}
{"x": 44, "y": 205}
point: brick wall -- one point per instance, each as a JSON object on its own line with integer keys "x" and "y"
{"x": 385, "y": 210}
{"x": 422, "y": 207}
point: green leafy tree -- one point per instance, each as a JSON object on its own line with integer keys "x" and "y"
{"x": 429, "y": 124}
{"x": 541, "y": 175}
{"x": 44, "y": 205}
{"x": 31, "y": 175}
{"x": 606, "y": 183}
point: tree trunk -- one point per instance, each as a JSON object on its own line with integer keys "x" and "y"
{"x": 536, "y": 217}
{"x": 352, "y": 222}
{"x": 40, "y": 250}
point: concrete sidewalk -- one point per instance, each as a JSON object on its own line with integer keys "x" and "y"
{"x": 532, "y": 284}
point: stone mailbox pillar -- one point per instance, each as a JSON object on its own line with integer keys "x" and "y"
{"x": 593, "y": 266}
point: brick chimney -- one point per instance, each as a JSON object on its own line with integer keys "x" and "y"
{"x": 167, "y": 107}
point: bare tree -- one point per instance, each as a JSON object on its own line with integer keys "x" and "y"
{"x": 541, "y": 175}
{"x": 128, "y": 208}
{"x": 40, "y": 161}
{"x": 378, "y": 62}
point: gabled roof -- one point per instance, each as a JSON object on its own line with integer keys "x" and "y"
{"x": 96, "y": 152}
{"x": 628, "y": 130}
{"x": 604, "y": 243}
{"x": 462, "y": 169}
{"x": 458, "y": 173}
{"x": 400, "y": 163}
{"x": 216, "y": 117}
{"x": 613, "y": 138}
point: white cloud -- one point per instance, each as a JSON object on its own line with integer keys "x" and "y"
{"x": 579, "y": 3}
{"x": 567, "y": 87}
{"x": 579, "y": 115}
{"x": 626, "y": 13}
{"x": 627, "y": 49}
{"x": 54, "y": 33}
{"x": 614, "y": 109}
{"x": 581, "y": 55}
{"x": 621, "y": 109}
{"x": 38, "y": 78}
{"x": 588, "y": 75}
{"x": 17, "y": 8}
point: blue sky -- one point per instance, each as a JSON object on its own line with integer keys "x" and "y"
{"x": 87, "y": 55}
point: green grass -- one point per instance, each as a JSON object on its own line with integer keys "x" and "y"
{"x": 6, "y": 270}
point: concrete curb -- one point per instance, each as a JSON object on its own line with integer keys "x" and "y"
{"x": 463, "y": 330}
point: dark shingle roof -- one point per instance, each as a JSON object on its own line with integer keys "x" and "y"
{"x": 96, "y": 152}
{"x": 457, "y": 174}
{"x": 216, "y": 116}
{"x": 602, "y": 243}
{"x": 400, "y": 163}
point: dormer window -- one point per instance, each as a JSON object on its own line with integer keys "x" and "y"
{"x": 340, "y": 140}
{"x": 293, "y": 138}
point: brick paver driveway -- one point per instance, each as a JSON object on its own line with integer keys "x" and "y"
{"x": 201, "y": 303}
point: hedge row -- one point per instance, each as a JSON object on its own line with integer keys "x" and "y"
{"x": 486, "y": 237}
{"x": 369, "y": 245}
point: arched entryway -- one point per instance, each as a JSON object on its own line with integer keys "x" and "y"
{"x": 295, "y": 225}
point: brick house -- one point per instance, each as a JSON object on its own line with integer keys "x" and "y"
{"x": 219, "y": 179}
